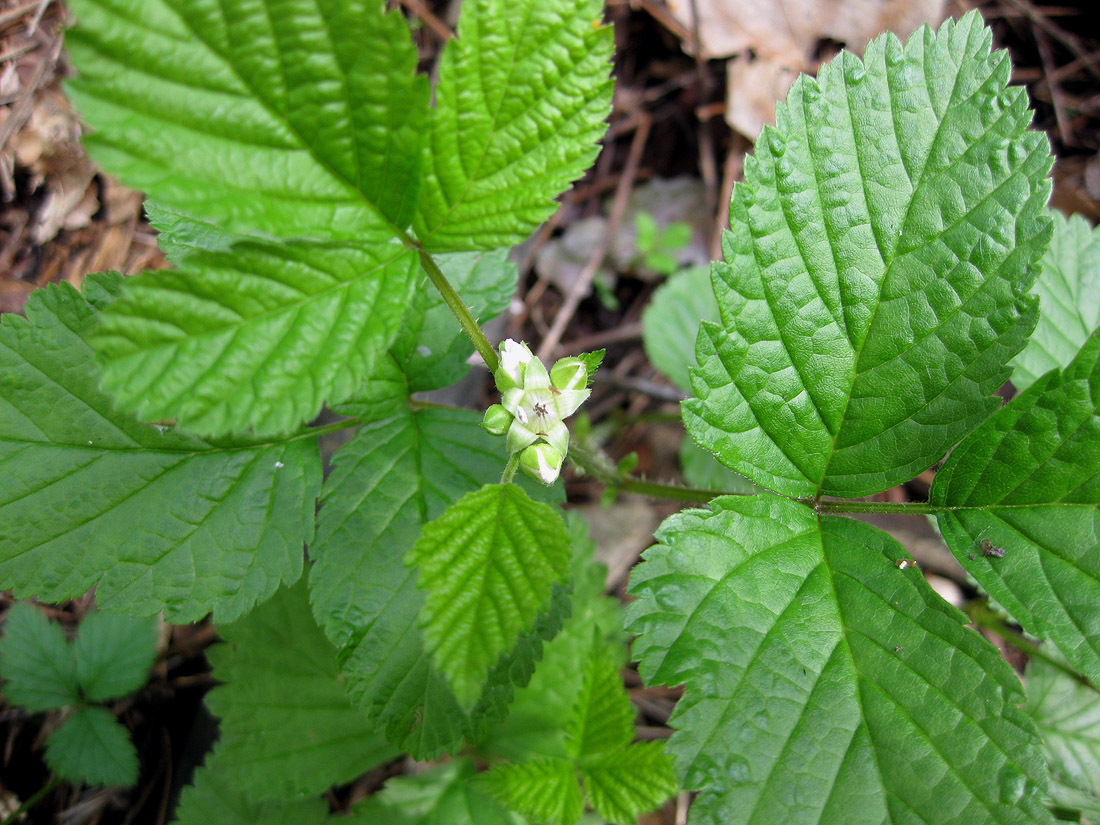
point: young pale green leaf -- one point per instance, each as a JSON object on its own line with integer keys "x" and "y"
{"x": 1069, "y": 300}
{"x": 396, "y": 474}
{"x": 602, "y": 717}
{"x": 155, "y": 520}
{"x": 214, "y": 798}
{"x": 113, "y": 654}
{"x": 545, "y": 790}
{"x": 287, "y": 726}
{"x": 1067, "y": 715}
{"x": 876, "y": 267}
{"x": 522, "y": 100}
{"x": 443, "y": 795}
{"x": 291, "y": 117}
{"x": 36, "y": 662}
{"x": 487, "y": 566}
{"x": 825, "y": 684}
{"x": 622, "y": 783}
{"x": 1021, "y": 499}
{"x": 257, "y": 337}
{"x": 93, "y": 748}
{"x": 431, "y": 349}
{"x": 671, "y": 322}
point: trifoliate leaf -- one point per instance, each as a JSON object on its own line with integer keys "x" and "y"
{"x": 155, "y": 520}
{"x": 297, "y": 119}
{"x": 1068, "y": 287}
{"x": 487, "y": 566}
{"x": 622, "y": 783}
{"x": 113, "y": 654}
{"x": 1021, "y": 499}
{"x": 213, "y": 798}
{"x": 670, "y": 324}
{"x": 876, "y": 267}
{"x": 36, "y": 663}
{"x": 431, "y": 349}
{"x": 444, "y": 794}
{"x": 603, "y": 717}
{"x": 396, "y": 474}
{"x": 258, "y": 337}
{"x": 1067, "y": 715}
{"x": 522, "y": 99}
{"x": 287, "y": 725}
{"x": 92, "y": 748}
{"x": 545, "y": 790}
{"x": 824, "y": 683}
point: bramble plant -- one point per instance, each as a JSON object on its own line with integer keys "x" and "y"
{"x": 334, "y": 237}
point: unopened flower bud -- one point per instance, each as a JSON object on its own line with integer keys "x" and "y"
{"x": 542, "y": 462}
{"x": 497, "y": 420}
{"x": 514, "y": 358}
{"x": 569, "y": 374}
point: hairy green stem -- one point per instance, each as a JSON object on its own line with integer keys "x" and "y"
{"x": 829, "y": 507}
{"x": 31, "y": 801}
{"x": 594, "y": 463}
{"x": 510, "y": 468}
{"x": 980, "y": 614}
{"x": 454, "y": 302}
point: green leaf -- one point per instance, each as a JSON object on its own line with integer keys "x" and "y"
{"x": 1068, "y": 287}
{"x": 702, "y": 470}
{"x": 288, "y": 728}
{"x": 113, "y": 654}
{"x": 257, "y": 337}
{"x": 487, "y": 565}
{"x": 444, "y": 795}
{"x": 155, "y": 520}
{"x": 823, "y": 683}
{"x": 36, "y": 662}
{"x": 1067, "y": 715}
{"x": 94, "y": 749}
{"x": 546, "y": 790}
{"x": 630, "y": 780}
{"x": 603, "y": 717}
{"x": 522, "y": 100}
{"x": 396, "y": 474}
{"x": 292, "y": 117}
{"x": 431, "y": 349}
{"x": 1028, "y": 482}
{"x": 876, "y": 268}
{"x": 213, "y": 798}
{"x": 670, "y": 323}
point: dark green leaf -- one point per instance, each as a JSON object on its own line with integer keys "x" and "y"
{"x": 113, "y": 654}
{"x": 36, "y": 662}
{"x": 91, "y": 747}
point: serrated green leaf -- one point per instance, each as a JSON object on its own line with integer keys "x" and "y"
{"x": 93, "y": 748}
{"x": 671, "y": 322}
{"x": 602, "y": 717}
{"x": 487, "y": 565}
{"x": 431, "y": 349}
{"x": 824, "y": 684}
{"x": 876, "y": 267}
{"x": 156, "y": 520}
{"x": 256, "y": 337}
{"x": 395, "y": 474}
{"x": 36, "y": 662}
{"x": 293, "y": 117}
{"x": 213, "y": 798}
{"x": 113, "y": 654}
{"x": 1027, "y": 482}
{"x": 522, "y": 100}
{"x": 1067, "y": 715}
{"x": 444, "y": 794}
{"x": 546, "y": 790}
{"x": 627, "y": 781}
{"x": 1068, "y": 287}
{"x": 287, "y": 726}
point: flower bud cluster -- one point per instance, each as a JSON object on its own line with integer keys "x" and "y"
{"x": 533, "y": 404}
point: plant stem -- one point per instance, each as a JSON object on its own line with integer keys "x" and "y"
{"x": 33, "y": 800}
{"x": 827, "y": 506}
{"x": 982, "y": 616}
{"x": 597, "y": 465}
{"x": 454, "y": 302}
{"x": 510, "y": 468}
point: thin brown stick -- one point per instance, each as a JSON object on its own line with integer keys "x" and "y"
{"x": 1067, "y": 39}
{"x": 424, "y": 14}
{"x": 1065, "y": 128}
{"x": 618, "y": 207}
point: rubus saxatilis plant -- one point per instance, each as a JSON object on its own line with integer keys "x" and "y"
{"x": 334, "y": 237}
